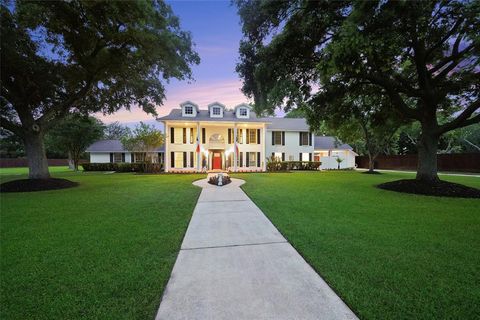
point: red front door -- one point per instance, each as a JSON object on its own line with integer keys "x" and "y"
{"x": 217, "y": 161}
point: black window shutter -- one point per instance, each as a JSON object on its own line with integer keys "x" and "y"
{"x": 111, "y": 157}
{"x": 241, "y": 159}
{"x": 258, "y": 159}
{"x": 248, "y": 136}
{"x": 203, "y": 135}
{"x": 300, "y": 156}
{"x": 310, "y": 139}
{"x": 172, "y": 135}
{"x": 309, "y": 157}
{"x": 283, "y": 138}
{"x": 172, "y": 159}
{"x": 299, "y": 138}
{"x": 184, "y": 135}
{"x": 184, "y": 159}
{"x": 123, "y": 157}
{"x": 273, "y": 138}
{"x": 160, "y": 158}
{"x": 132, "y": 157}
{"x": 229, "y": 136}
{"x": 191, "y": 159}
{"x": 246, "y": 160}
{"x": 258, "y": 136}
{"x": 273, "y": 155}
{"x": 283, "y": 156}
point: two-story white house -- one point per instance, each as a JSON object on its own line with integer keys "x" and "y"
{"x": 217, "y": 138}
{"x": 234, "y": 140}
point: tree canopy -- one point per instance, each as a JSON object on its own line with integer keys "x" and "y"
{"x": 423, "y": 56}
{"x": 87, "y": 56}
{"x": 74, "y": 134}
{"x": 116, "y": 131}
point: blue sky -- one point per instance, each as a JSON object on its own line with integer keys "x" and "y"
{"x": 216, "y": 32}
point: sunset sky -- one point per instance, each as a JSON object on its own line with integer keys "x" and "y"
{"x": 216, "y": 32}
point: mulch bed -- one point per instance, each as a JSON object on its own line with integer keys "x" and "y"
{"x": 371, "y": 172}
{"x": 30, "y": 185}
{"x": 439, "y": 189}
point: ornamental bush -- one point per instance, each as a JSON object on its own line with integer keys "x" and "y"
{"x": 274, "y": 165}
{"x": 123, "y": 167}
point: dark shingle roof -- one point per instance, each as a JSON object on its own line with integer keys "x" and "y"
{"x": 229, "y": 115}
{"x": 111, "y": 146}
{"x": 329, "y": 143}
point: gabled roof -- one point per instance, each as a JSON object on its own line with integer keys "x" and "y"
{"x": 287, "y": 124}
{"x": 204, "y": 115}
{"x": 112, "y": 146}
{"x": 329, "y": 143}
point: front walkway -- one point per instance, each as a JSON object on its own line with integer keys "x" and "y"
{"x": 234, "y": 264}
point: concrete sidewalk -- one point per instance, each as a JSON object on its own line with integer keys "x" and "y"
{"x": 234, "y": 264}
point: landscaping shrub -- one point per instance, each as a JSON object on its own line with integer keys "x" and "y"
{"x": 273, "y": 164}
{"x": 124, "y": 167}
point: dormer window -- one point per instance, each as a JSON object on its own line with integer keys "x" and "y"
{"x": 243, "y": 112}
{"x": 188, "y": 110}
{"x": 216, "y": 111}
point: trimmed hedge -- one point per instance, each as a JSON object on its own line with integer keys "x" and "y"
{"x": 123, "y": 167}
{"x": 292, "y": 165}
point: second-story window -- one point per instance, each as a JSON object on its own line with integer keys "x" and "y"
{"x": 216, "y": 111}
{"x": 304, "y": 138}
{"x": 243, "y": 112}
{"x": 188, "y": 110}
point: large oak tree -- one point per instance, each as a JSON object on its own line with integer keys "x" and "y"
{"x": 88, "y": 56}
{"x": 422, "y": 55}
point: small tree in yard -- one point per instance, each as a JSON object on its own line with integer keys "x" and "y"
{"x": 74, "y": 134}
{"x": 116, "y": 131}
{"x": 145, "y": 140}
{"x": 59, "y": 57}
{"x": 339, "y": 160}
{"x": 422, "y": 55}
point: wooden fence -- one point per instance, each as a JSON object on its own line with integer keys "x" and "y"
{"x": 465, "y": 162}
{"x": 22, "y": 162}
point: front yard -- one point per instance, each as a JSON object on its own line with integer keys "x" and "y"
{"x": 388, "y": 255}
{"x": 103, "y": 250}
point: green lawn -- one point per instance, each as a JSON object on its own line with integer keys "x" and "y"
{"x": 103, "y": 250}
{"x": 388, "y": 255}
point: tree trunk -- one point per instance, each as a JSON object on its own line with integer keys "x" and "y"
{"x": 427, "y": 157}
{"x": 71, "y": 164}
{"x": 371, "y": 162}
{"x": 36, "y": 156}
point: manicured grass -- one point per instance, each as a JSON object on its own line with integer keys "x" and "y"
{"x": 388, "y": 255}
{"x": 103, "y": 250}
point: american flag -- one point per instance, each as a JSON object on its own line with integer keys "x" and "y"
{"x": 198, "y": 145}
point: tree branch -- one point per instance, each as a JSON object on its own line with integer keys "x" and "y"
{"x": 10, "y": 126}
{"x": 463, "y": 119}
{"x": 457, "y": 24}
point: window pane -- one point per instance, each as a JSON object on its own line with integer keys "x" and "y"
{"x": 178, "y": 159}
{"x": 304, "y": 138}
{"x": 178, "y": 135}
{"x": 277, "y": 137}
{"x": 243, "y": 112}
{"x": 139, "y": 157}
{"x": 253, "y": 135}
{"x": 252, "y": 159}
{"x": 188, "y": 110}
{"x": 216, "y": 111}
{"x": 117, "y": 157}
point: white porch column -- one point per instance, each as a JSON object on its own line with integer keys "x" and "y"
{"x": 235, "y": 148}
{"x": 264, "y": 147}
{"x": 199, "y": 154}
{"x": 166, "y": 156}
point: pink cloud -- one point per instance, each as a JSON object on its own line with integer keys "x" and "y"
{"x": 227, "y": 92}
